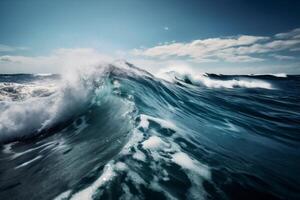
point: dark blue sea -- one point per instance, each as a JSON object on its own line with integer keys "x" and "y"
{"x": 118, "y": 132}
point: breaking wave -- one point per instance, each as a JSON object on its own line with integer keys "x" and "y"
{"x": 220, "y": 82}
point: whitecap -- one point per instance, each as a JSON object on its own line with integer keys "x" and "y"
{"x": 204, "y": 79}
{"x": 154, "y": 143}
{"x": 183, "y": 160}
{"x": 63, "y": 196}
{"x": 87, "y": 193}
{"x": 164, "y": 123}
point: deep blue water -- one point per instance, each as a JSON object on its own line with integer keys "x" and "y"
{"x": 125, "y": 134}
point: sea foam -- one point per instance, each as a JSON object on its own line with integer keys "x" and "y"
{"x": 205, "y": 80}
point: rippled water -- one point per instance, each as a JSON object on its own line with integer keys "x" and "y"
{"x": 120, "y": 133}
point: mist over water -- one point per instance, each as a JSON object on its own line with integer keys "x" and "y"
{"x": 116, "y": 131}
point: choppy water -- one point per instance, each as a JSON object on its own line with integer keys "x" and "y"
{"x": 120, "y": 133}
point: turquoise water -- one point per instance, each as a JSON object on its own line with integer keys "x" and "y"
{"x": 122, "y": 133}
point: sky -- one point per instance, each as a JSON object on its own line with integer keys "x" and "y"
{"x": 221, "y": 36}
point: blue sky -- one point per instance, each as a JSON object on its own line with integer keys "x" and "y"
{"x": 216, "y": 36}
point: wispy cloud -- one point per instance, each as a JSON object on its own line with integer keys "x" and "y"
{"x": 283, "y": 57}
{"x": 6, "y": 48}
{"x": 243, "y": 48}
{"x": 296, "y": 49}
{"x": 288, "y": 35}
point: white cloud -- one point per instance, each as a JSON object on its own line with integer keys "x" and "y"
{"x": 244, "y": 48}
{"x": 295, "y": 34}
{"x": 203, "y": 50}
{"x": 166, "y": 28}
{"x": 296, "y": 49}
{"x": 55, "y": 62}
{"x": 6, "y": 48}
{"x": 282, "y": 57}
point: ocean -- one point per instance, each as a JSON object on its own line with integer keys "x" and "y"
{"x": 119, "y": 132}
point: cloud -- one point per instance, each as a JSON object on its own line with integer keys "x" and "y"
{"x": 166, "y": 28}
{"x": 296, "y": 49}
{"x": 54, "y": 63}
{"x": 294, "y": 34}
{"x": 6, "y": 48}
{"x": 203, "y": 50}
{"x": 243, "y": 48}
{"x": 283, "y": 57}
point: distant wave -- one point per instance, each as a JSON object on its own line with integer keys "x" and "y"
{"x": 43, "y": 74}
{"x": 17, "y": 91}
{"x": 279, "y": 75}
{"x": 206, "y": 80}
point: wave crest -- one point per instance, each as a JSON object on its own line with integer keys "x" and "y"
{"x": 35, "y": 114}
{"x": 205, "y": 80}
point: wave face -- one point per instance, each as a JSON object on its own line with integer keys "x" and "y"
{"x": 117, "y": 132}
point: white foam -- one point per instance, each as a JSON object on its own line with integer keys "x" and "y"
{"x": 43, "y": 74}
{"x": 139, "y": 156}
{"x": 7, "y": 148}
{"x": 109, "y": 173}
{"x": 32, "y": 115}
{"x": 135, "y": 177}
{"x": 164, "y": 123}
{"x": 135, "y": 138}
{"x": 202, "y": 78}
{"x": 154, "y": 143}
{"x": 183, "y": 160}
{"x": 28, "y": 162}
{"x": 116, "y": 84}
{"x": 120, "y": 166}
{"x": 154, "y": 184}
{"x": 144, "y": 122}
{"x": 21, "y": 118}
{"x": 280, "y": 75}
{"x": 127, "y": 194}
{"x": 231, "y": 127}
{"x": 87, "y": 193}
{"x": 19, "y": 92}
{"x": 42, "y": 147}
{"x": 212, "y": 83}
{"x": 63, "y": 196}
{"x": 195, "y": 171}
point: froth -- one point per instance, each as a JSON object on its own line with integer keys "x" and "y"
{"x": 107, "y": 175}
{"x": 34, "y": 114}
{"x": 231, "y": 83}
{"x": 203, "y": 79}
{"x": 154, "y": 152}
